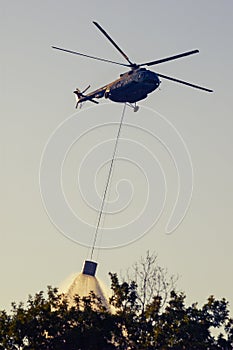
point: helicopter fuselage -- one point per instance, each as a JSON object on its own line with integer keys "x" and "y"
{"x": 132, "y": 86}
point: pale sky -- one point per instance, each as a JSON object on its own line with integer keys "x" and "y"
{"x": 37, "y": 84}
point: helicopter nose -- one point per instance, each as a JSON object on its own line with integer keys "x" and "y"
{"x": 153, "y": 80}
{"x": 157, "y": 81}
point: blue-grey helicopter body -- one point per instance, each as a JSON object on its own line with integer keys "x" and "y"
{"x": 132, "y": 86}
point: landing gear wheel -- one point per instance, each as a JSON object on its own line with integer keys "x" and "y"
{"x": 136, "y": 108}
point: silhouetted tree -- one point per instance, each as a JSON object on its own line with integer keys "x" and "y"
{"x": 158, "y": 320}
{"x": 151, "y": 279}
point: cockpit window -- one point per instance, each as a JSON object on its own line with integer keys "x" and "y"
{"x": 140, "y": 75}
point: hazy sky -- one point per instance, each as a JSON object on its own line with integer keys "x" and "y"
{"x": 36, "y": 86}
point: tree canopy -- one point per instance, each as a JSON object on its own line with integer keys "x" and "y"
{"x": 156, "y": 321}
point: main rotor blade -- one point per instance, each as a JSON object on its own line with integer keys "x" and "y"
{"x": 93, "y": 57}
{"x": 113, "y": 42}
{"x": 170, "y": 58}
{"x": 184, "y": 82}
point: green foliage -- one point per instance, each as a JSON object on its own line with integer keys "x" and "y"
{"x": 48, "y": 322}
{"x": 175, "y": 327}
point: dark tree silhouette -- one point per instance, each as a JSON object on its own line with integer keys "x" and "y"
{"x": 158, "y": 320}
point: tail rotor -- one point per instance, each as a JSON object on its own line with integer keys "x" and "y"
{"x": 80, "y": 97}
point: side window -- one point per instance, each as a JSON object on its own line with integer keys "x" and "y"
{"x": 119, "y": 84}
{"x": 140, "y": 76}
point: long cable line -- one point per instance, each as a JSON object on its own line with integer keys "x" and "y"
{"x": 107, "y": 182}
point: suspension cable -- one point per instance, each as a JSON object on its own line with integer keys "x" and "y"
{"x": 107, "y": 182}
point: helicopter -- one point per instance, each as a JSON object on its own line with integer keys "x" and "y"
{"x": 132, "y": 86}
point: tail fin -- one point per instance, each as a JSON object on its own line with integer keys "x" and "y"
{"x": 80, "y": 97}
